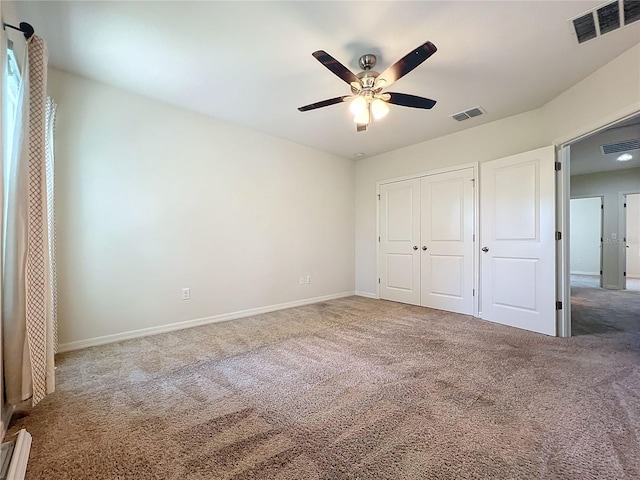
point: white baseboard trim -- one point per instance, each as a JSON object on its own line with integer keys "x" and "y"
{"x": 170, "y": 327}
{"x": 20, "y": 456}
{"x": 367, "y": 294}
{"x": 586, "y": 273}
{"x": 628, "y": 276}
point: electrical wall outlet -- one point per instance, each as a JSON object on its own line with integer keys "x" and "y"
{"x": 301, "y": 280}
{"x": 186, "y": 293}
{"x": 308, "y": 278}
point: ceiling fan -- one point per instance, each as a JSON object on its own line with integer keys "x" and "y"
{"x": 367, "y": 98}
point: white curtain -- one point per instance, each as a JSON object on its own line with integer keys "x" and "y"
{"x": 28, "y": 278}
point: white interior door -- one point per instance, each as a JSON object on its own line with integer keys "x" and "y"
{"x": 399, "y": 260}
{"x": 447, "y": 241}
{"x": 517, "y": 231}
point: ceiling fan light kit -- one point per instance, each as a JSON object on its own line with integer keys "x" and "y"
{"x": 367, "y": 100}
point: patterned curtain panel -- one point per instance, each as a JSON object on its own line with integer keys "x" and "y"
{"x": 40, "y": 334}
{"x": 29, "y": 324}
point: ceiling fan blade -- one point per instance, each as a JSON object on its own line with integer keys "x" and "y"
{"x": 407, "y": 63}
{"x": 324, "y": 103}
{"x": 407, "y": 100}
{"x": 336, "y": 67}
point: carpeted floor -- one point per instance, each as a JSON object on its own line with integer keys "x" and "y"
{"x": 348, "y": 389}
{"x": 597, "y": 310}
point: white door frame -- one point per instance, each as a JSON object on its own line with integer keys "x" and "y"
{"x": 476, "y": 211}
{"x": 562, "y": 215}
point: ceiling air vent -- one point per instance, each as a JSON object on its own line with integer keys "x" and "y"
{"x": 605, "y": 18}
{"x": 609, "y": 17}
{"x": 585, "y": 27}
{"x": 621, "y": 146}
{"x": 631, "y": 11}
{"x": 472, "y": 112}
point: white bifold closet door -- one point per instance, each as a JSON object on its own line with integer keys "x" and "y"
{"x": 426, "y": 241}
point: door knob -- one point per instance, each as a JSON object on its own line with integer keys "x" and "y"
{"x": 485, "y": 249}
{"x": 415, "y": 247}
{"x": 424, "y": 247}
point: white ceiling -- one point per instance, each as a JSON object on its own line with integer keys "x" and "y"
{"x": 250, "y": 63}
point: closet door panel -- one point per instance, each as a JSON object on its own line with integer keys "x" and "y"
{"x": 447, "y": 222}
{"x": 399, "y": 255}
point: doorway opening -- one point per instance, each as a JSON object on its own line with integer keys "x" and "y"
{"x": 632, "y": 242}
{"x": 604, "y": 230}
{"x": 586, "y": 215}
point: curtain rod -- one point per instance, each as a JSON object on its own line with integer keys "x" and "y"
{"x": 25, "y": 28}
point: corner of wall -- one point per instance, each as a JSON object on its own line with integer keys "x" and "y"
{"x": 592, "y": 103}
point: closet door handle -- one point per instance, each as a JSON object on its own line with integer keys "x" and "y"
{"x": 485, "y": 249}
{"x": 415, "y": 247}
{"x": 424, "y": 247}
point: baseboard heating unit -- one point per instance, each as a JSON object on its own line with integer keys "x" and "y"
{"x": 15, "y": 454}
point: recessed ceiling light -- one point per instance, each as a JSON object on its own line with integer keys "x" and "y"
{"x": 360, "y": 154}
{"x": 625, "y": 157}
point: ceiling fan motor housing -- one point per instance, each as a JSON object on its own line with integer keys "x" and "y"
{"x": 367, "y": 61}
{"x": 367, "y": 76}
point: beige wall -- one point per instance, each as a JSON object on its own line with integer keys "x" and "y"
{"x": 611, "y": 186}
{"x": 152, "y": 198}
{"x": 610, "y": 93}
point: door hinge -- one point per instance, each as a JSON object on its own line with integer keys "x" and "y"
{"x": 600, "y": 272}
{"x": 558, "y": 305}
{"x": 625, "y": 205}
{"x": 378, "y": 238}
{"x": 558, "y": 166}
{"x": 558, "y": 235}
{"x": 474, "y": 237}
{"x": 474, "y": 293}
{"x": 378, "y": 196}
{"x": 602, "y": 206}
{"x": 473, "y": 180}
{"x": 624, "y": 274}
{"x": 378, "y": 280}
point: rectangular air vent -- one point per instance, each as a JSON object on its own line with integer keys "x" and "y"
{"x": 585, "y": 27}
{"x": 609, "y": 17}
{"x": 472, "y": 112}
{"x": 605, "y": 18}
{"x": 631, "y": 11}
{"x": 621, "y": 146}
